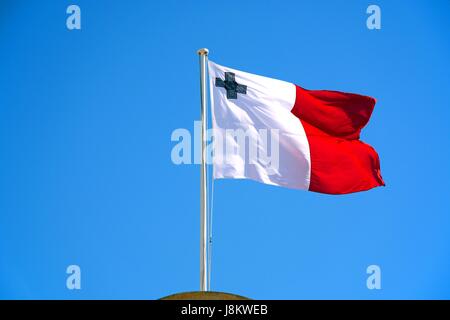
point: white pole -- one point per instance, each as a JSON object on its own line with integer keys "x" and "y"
{"x": 203, "y": 54}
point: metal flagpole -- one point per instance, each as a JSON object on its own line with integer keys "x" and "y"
{"x": 203, "y": 54}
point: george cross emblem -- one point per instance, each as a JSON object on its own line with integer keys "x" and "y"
{"x": 230, "y": 84}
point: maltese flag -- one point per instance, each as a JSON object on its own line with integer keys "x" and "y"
{"x": 281, "y": 134}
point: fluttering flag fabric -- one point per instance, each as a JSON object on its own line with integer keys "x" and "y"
{"x": 301, "y": 139}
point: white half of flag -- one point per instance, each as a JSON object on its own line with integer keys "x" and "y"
{"x": 265, "y": 105}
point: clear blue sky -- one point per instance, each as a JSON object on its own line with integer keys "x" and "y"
{"x": 86, "y": 176}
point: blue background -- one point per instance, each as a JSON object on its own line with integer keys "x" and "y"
{"x": 86, "y": 176}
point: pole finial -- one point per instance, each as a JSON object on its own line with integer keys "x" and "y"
{"x": 203, "y": 51}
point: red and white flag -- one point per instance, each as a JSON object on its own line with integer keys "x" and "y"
{"x": 314, "y": 134}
